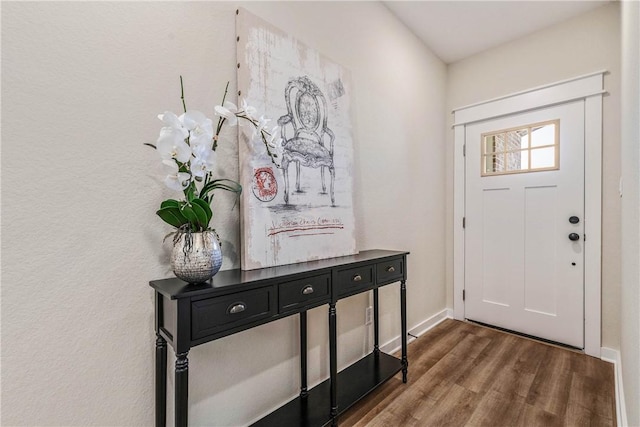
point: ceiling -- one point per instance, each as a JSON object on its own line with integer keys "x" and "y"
{"x": 454, "y": 30}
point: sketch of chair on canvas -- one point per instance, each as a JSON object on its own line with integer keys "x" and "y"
{"x": 307, "y": 115}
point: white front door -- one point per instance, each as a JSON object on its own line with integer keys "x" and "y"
{"x": 524, "y": 214}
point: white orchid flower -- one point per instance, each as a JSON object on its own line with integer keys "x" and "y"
{"x": 260, "y": 126}
{"x": 203, "y": 161}
{"x": 228, "y": 110}
{"x": 171, "y": 145}
{"x": 274, "y": 139}
{"x": 249, "y": 111}
{"x": 175, "y": 179}
{"x": 200, "y": 128}
{"x": 172, "y": 121}
{"x": 275, "y": 145}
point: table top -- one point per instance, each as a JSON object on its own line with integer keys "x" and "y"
{"x": 175, "y": 288}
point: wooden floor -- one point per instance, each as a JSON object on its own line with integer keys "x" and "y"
{"x": 461, "y": 374}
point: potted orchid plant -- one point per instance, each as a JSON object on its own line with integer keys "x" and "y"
{"x": 187, "y": 147}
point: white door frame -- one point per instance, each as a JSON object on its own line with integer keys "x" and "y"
{"x": 590, "y": 88}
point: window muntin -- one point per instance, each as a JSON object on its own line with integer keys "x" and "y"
{"x": 529, "y": 148}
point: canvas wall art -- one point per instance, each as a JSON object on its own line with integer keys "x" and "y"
{"x": 299, "y": 208}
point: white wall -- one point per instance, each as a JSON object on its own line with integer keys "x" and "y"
{"x": 81, "y": 86}
{"x": 587, "y": 43}
{"x": 630, "y": 302}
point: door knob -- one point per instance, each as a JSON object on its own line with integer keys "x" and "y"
{"x": 574, "y": 236}
{"x": 574, "y": 220}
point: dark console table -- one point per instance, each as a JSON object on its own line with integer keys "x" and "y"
{"x": 235, "y": 300}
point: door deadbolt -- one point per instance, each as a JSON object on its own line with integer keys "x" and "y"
{"x": 574, "y": 236}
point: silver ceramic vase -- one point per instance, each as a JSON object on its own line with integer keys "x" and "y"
{"x": 196, "y": 257}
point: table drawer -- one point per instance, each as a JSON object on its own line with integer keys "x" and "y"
{"x": 354, "y": 279}
{"x": 391, "y": 270}
{"x": 213, "y": 315}
{"x": 298, "y": 293}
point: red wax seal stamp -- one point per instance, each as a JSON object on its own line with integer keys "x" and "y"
{"x": 265, "y": 186}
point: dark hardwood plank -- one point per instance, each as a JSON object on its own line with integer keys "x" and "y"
{"x": 551, "y": 385}
{"x": 453, "y": 409}
{"x": 462, "y": 374}
{"x": 375, "y": 403}
{"x": 490, "y": 362}
{"x": 580, "y": 416}
{"x": 494, "y": 408}
{"x": 588, "y": 393}
{"x": 536, "y": 416}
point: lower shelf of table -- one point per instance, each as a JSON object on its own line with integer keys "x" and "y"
{"x": 354, "y": 383}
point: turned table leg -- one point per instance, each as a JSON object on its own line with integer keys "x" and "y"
{"x": 303, "y": 355}
{"x": 182, "y": 389}
{"x": 161, "y": 381}
{"x": 333, "y": 362}
{"x": 403, "y": 315}
{"x": 376, "y": 325}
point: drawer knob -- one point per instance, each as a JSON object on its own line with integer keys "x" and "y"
{"x": 391, "y": 269}
{"x": 357, "y": 278}
{"x": 307, "y": 290}
{"x": 236, "y": 308}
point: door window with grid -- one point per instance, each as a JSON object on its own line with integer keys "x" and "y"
{"x": 529, "y": 148}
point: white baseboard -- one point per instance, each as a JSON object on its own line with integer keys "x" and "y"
{"x": 613, "y": 356}
{"x": 395, "y": 344}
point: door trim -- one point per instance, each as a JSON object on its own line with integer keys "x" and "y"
{"x": 590, "y": 88}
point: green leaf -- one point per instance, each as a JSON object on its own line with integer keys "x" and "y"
{"x": 207, "y": 209}
{"x": 222, "y": 184}
{"x": 170, "y": 203}
{"x": 201, "y": 215}
{"x": 172, "y": 216}
{"x": 191, "y": 192}
{"x": 190, "y": 215}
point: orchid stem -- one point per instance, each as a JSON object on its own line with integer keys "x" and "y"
{"x": 226, "y": 88}
{"x": 221, "y": 121}
{"x": 184, "y": 106}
